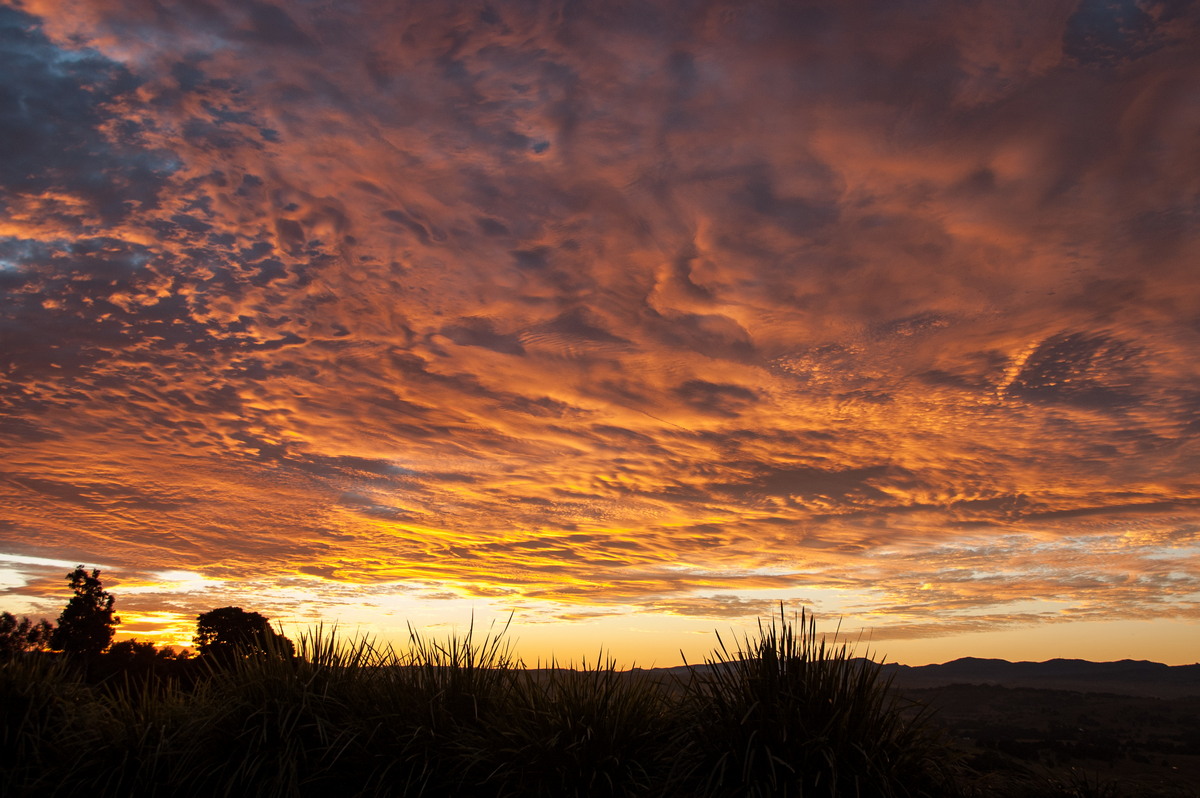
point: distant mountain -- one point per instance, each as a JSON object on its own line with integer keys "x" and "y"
{"x": 1125, "y": 677}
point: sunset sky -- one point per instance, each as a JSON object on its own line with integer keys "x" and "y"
{"x": 633, "y": 319}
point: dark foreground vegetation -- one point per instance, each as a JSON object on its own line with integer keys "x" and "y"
{"x": 784, "y": 713}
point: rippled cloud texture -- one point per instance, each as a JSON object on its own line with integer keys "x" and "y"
{"x": 587, "y": 309}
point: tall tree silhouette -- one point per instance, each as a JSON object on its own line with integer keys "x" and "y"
{"x": 87, "y": 623}
{"x": 232, "y": 632}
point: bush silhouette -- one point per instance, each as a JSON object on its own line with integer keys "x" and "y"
{"x": 231, "y": 633}
{"x": 23, "y": 635}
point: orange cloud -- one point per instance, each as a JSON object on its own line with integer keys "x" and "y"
{"x": 592, "y": 311}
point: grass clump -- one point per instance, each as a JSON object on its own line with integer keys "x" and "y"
{"x": 790, "y": 713}
{"x": 595, "y": 731}
{"x": 45, "y": 709}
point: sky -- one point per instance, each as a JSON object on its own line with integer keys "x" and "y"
{"x": 633, "y": 320}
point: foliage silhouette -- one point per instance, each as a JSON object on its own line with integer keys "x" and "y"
{"x": 792, "y": 713}
{"x": 86, "y": 626}
{"x": 231, "y": 632}
{"x": 134, "y": 654}
{"x": 133, "y": 650}
{"x": 24, "y": 635}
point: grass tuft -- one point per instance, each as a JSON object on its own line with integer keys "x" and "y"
{"x": 790, "y": 713}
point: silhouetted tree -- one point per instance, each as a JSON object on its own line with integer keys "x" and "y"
{"x": 134, "y": 652}
{"x": 87, "y": 623}
{"x": 144, "y": 651}
{"x": 231, "y": 631}
{"x": 23, "y": 635}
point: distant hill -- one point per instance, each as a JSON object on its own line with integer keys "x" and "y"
{"x": 1125, "y": 677}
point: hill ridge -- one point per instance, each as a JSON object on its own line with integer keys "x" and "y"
{"x": 1119, "y": 677}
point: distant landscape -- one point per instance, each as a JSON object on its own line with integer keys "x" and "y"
{"x": 1129, "y": 727}
{"x": 1124, "y": 677}
{"x": 1059, "y": 727}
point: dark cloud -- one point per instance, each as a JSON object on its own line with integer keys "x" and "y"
{"x": 1089, "y": 370}
{"x": 803, "y": 481}
{"x": 93, "y": 494}
{"x": 716, "y": 399}
{"x": 271, "y": 25}
{"x": 55, "y": 109}
{"x": 1109, "y": 32}
{"x": 481, "y": 332}
{"x": 581, "y": 324}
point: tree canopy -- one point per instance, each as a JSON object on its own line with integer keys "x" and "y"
{"x": 88, "y": 622}
{"x": 233, "y": 632}
{"x": 17, "y": 636}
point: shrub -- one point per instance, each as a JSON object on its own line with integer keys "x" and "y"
{"x": 791, "y": 714}
{"x": 563, "y": 732}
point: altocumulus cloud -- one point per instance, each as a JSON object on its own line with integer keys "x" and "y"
{"x": 652, "y": 306}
